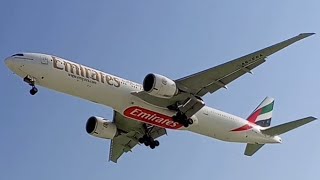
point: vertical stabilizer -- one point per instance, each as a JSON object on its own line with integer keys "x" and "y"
{"x": 263, "y": 113}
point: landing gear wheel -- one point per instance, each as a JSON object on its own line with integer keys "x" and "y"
{"x": 175, "y": 118}
{"x": 141, "y": 140}
{"x": 182, "y": 119}
{"x": 147, "y": 139}
{"x": 186, "y": 124}
{"x": 152, "y": 145}
{"x": 147, "y": 143}
{"x": 156, "y": 143}
{"x": 31, "y": 81}
{"x": 33, "y": 90}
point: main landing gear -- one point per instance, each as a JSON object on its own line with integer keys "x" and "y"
{"x": 147, "y": 140}
{"x": 182, "y": 119}
{"x": 31, "y": 81}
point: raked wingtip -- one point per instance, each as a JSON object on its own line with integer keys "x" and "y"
{"x": 306, "y": 34}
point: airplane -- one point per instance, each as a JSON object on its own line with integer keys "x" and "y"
{"x": 143, "y": 112}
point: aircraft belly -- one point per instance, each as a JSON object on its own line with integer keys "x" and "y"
{"x": 211, "y": 125}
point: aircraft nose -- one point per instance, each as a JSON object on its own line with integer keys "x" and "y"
{"x": 12, "y": 64}
{"x": 8, "y": 62}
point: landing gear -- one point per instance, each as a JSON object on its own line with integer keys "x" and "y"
{"x": 147, "y": 140}
{"x": 186, "y": 109}
{"x": 31, "y": 81}
{"x": 182, "y": 119}
{"x": 33, "y": 90}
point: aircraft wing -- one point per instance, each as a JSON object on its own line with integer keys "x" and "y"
{"x": 130, "y": 132}
{"x": 212, "y": 79}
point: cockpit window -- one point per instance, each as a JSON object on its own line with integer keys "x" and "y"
{"x": 20, "y": 54}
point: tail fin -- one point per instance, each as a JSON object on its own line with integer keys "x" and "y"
{"x": 263, "y": 113}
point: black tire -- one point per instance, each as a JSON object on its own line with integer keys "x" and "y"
{"x": 141, "y": 140}
{"x": 152, "y": 146}
{"x": 186, "y": 124}
{"x": 175, "y": 118}
{"x": 184, "y": 117}
{"x": 190, "y": 121}
{"x": 147, "y": 143}
{"x": 151, "y": 139}
{"x": 156, "y": 143}
{"x": 33, "y": 91}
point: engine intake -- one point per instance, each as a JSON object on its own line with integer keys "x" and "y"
{"x": 159, "y": 86}
{"x": 100, "y": 127}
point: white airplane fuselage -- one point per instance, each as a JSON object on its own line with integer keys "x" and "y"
{"x": 87, "y": 83}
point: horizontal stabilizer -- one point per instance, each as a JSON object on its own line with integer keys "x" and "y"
{"x": 283, "y": 128}
{"x": 252, "y": 148}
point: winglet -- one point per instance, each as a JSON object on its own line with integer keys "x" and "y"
{"x": 306, "y": 34}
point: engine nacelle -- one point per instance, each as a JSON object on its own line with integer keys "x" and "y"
{"x": 100, "y": 127}
{"x": 159, "y": 86}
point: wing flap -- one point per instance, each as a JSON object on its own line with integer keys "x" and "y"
{"x": 121, "y": 144}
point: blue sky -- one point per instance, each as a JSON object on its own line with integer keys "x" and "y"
{"x": 43, "y": 137}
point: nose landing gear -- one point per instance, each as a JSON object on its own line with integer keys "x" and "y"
{"x": 33, "y": 90}
{"x": 31, "y": 81}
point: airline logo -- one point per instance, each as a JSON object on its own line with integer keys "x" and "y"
{"x": 84, "y": 73}
{"x": 151, "y": 117}
{"x": 261, "y": 116}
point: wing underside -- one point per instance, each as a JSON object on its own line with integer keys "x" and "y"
{"x": 130, "y": 132}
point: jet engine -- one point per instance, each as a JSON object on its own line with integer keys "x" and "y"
{"x": 100, "y": 127}
{"x": 159, "y": 86}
